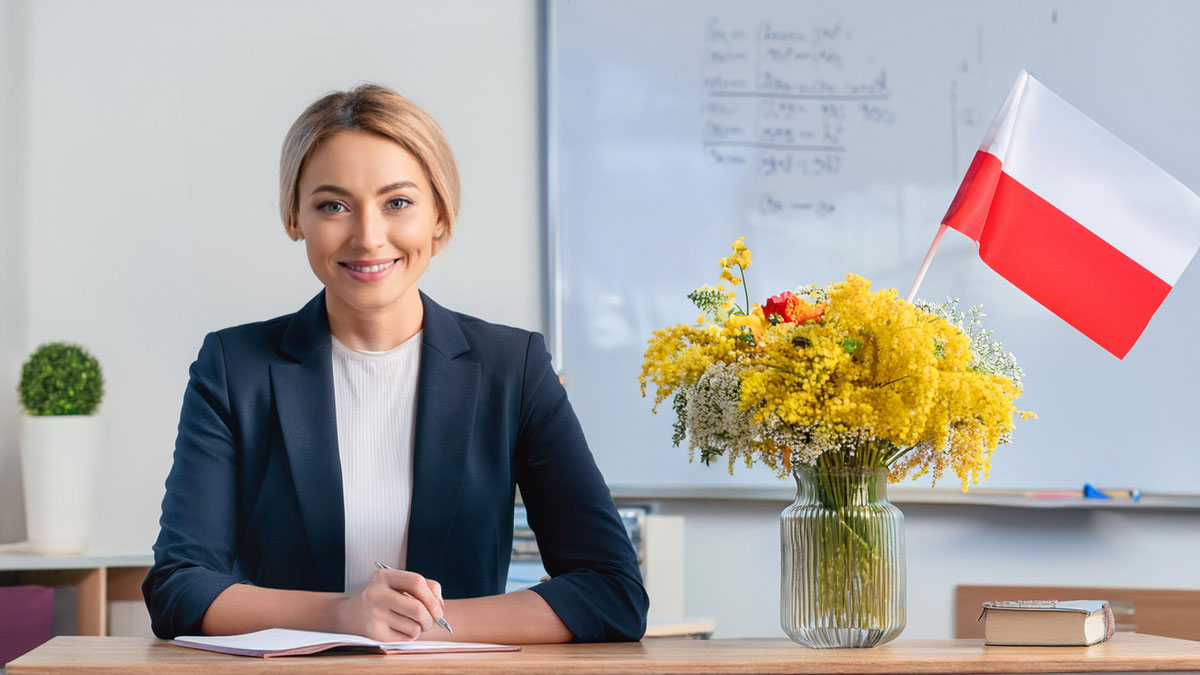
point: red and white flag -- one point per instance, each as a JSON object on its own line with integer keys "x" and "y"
{"x": 1073, "y": 216}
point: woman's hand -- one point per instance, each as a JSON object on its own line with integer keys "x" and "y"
{"x": 394, "y": 606}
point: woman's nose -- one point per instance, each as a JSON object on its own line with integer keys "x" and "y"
{"x": 370, "y": 230}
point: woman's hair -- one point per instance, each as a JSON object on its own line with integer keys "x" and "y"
{"x": 370, "y": 107}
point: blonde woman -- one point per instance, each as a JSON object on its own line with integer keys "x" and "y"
{"x": 374, "y": 425}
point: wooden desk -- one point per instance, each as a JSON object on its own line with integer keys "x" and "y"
{"x": 1126, "y": 652}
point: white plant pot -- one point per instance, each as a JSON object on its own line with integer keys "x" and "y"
{"x": 59, "y": 463}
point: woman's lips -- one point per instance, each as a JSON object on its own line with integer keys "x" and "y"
{"x": 360, "y": 273}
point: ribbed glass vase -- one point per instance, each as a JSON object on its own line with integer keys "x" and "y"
{"x": 843, "y": 579}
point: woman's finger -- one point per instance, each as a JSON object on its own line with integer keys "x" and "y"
{"x": 414, "y": 610}
{"x": 415, "y": 586}
{"x": 437, "y": 590}
{"x": 403, "y": 627}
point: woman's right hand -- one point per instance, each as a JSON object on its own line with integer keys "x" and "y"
{"x": 394, "y": 606}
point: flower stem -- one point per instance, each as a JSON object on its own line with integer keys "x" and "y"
{"x": 742, "y": 271}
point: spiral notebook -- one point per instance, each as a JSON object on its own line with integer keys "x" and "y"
{"x": 287, "y": 642}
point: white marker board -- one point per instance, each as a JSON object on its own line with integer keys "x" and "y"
{"x": 833, "y": 135}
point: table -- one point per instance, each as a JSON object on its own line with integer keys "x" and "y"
{"x": 99, "y": 580}
{"x": 1125, "y": 652}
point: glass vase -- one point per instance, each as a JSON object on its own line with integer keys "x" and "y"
{"x": 843, "y": 581}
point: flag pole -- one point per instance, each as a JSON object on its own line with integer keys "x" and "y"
{"x": 912, "y": 292}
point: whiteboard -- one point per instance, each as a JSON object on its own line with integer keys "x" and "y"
{"x": 833, "y": 135}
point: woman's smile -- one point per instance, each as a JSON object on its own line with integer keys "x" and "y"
{"x": 369, "y": 270}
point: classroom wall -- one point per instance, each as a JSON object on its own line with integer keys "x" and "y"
{"x": 152, "y": 189}
{"x": 13, "y": 324}
{"x": 138, "y": 258}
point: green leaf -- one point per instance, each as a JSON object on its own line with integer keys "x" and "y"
{"x": 679, "y": 428}
{"x": 708, "y": 301}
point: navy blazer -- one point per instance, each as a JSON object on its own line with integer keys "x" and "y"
{"x": 255, "y": 491}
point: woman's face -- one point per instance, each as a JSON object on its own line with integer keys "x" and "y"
{"x": 367, "y": 213}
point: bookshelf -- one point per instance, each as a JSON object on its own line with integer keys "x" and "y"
{"x": 98, "y": 580}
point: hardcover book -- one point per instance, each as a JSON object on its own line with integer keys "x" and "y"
{"x": 1047, "y": 622}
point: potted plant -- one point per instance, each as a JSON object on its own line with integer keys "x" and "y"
{"x": 60, "y": 390}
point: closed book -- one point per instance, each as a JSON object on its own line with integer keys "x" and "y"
{"x": 1047, "y": 622}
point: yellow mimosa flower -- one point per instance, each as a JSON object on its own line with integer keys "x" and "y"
{"x": 859, "y": 374}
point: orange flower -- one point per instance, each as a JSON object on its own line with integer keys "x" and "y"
{"x": 791, "y": 309}
{"x": 809, "y": 312}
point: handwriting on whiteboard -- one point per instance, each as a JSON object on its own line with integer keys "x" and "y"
{"x": 787, "y": 101}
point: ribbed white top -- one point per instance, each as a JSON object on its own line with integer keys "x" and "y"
{"x": 375, "y": 397}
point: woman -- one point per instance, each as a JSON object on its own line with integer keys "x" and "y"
{"x": 375, "y": 425}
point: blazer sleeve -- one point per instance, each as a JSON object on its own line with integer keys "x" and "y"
{"x": 595, "y": 586}
{"x": 194, "y": 554}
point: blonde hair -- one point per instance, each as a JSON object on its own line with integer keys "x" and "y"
{"x": 374, "y": 108}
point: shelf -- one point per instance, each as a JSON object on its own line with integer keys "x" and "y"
{"x": 98, "y": 580}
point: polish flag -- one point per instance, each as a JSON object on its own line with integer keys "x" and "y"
{"x": 1073, "y": 216}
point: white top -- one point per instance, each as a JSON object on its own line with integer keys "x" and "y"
{"x": 375, "y": 398}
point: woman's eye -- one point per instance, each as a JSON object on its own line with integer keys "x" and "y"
{"x": 399, "y": 203}
{"x": 325, "y": 207}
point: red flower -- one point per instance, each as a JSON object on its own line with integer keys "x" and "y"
{"x": 791, "y": 309}
{"x": 778, "y": 306}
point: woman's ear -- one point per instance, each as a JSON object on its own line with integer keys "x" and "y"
{"x": 293, "y": 230}
{"x": 439, "y": 237}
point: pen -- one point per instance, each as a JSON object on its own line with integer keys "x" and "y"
{"x": 440, "y": 622}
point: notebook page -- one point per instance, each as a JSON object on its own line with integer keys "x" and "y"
{"x": 432, "y": 645}
{"x": 276, "y": 639}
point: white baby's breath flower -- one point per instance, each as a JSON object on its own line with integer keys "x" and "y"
{"x": 988, "y": 352}
{"x": 715, "y": 423}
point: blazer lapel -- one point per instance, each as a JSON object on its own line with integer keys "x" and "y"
{"x": 303, "y": 390}
{"x": 447, "y": 388}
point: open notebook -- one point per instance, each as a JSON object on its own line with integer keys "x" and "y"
{"x": 286, "y": 642}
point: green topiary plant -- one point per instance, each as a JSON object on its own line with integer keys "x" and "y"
{"x": 61, "y": 379}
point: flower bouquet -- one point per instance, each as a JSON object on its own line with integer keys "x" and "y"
{"x": 843, "y": 388}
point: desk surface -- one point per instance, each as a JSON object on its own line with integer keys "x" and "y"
{"x": 1125, "y": 652}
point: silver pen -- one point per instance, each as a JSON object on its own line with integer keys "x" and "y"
{"x": 440, "y": 622}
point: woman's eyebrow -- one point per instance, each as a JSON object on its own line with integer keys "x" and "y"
{"x": 346, "y": 193}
